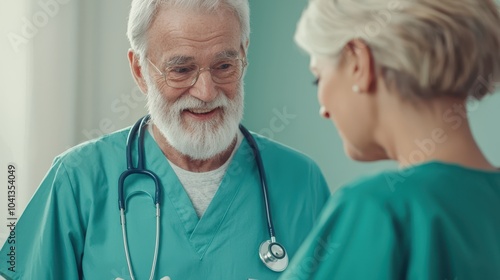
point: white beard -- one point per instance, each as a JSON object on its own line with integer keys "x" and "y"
{"x": 199, "y": 140}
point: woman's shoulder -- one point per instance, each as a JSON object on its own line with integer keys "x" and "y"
{"x": 422, "y": 184}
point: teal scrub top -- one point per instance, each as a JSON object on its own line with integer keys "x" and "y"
{"x": 71, "y": 227}
{"x": 433, "y": 221}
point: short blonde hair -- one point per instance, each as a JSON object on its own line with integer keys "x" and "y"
{"x": 423, "y": 48}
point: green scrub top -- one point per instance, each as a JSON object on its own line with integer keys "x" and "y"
{"x": 433, "y": 221}
{"x": 71, "y": 227}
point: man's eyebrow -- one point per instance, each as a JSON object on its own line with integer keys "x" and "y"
{"x": 182, "y": 59}
{"x": 178, "y": 60}
{"x": 227, "y": 54}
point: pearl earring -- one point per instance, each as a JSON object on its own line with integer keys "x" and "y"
{"x": 355, "y": 88}
{"x": 324, "y": 113}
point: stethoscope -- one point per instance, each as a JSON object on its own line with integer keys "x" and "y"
{"x": 272, "y": 253}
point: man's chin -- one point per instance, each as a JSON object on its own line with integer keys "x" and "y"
{"x": 200, "y": 126}
{"x": 204, "y": 152}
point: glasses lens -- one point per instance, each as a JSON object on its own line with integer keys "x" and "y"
{"x": 227, "y": 71}
{"x": 181, "y": 76}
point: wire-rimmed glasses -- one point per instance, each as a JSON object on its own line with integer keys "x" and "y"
{"x": 224, "y": 71}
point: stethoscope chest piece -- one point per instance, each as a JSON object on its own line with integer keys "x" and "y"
{"x": 273, "y": 255}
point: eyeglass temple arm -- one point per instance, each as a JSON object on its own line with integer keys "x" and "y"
{"x": 156, "y": 68}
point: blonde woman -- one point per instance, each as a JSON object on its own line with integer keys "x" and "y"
{"x": 395, "y": 78}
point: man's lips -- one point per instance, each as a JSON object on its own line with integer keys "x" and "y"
{"x": 200, "y": 110}
{"x": 202, "y": 113}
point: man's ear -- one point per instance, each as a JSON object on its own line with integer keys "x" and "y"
{"x": 135, "y": 68}
{"x": 245, "y": 48}
{"x": 363, "y": 65}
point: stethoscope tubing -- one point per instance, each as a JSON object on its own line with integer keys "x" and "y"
{"x": 140, "y": 169}
{"x": 263, "y": 181}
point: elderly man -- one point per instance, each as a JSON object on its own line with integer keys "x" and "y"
{"x": 200, "y": 198}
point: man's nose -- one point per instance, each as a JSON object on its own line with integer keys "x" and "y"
{"x": 204, "y": 88}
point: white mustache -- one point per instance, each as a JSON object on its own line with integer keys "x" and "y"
{"x": 193, "y": 104}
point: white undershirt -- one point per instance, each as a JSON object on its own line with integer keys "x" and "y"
{"x": 202, "y": 186}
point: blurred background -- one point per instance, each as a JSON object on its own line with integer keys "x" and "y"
{"x": 65, "y": 79}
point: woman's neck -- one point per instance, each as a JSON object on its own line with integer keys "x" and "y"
{"x": 434, "y": 131}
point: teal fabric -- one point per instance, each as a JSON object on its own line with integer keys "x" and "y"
{"x": 433, "y": 221}
{"x": 71, "y": 227}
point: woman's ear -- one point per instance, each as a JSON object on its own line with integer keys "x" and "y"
{"x": 136, "y": 69}
{"x": 363, "y": 67}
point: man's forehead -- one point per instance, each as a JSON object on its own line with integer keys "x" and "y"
{"x": 187, "y": 25}
{"x": 178, "y": 33}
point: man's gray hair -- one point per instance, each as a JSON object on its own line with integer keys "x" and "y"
{"x": 143, "y": 12}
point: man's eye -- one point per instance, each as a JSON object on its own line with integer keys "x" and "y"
{"x": 224, "y": 66}
{"x": 316, "y": 82}
{"x": 181, "y": 69}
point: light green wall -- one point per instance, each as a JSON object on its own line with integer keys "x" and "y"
{"x": 278, "y": 79}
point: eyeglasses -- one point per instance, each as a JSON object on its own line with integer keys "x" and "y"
{"x": 223, "y": 72}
